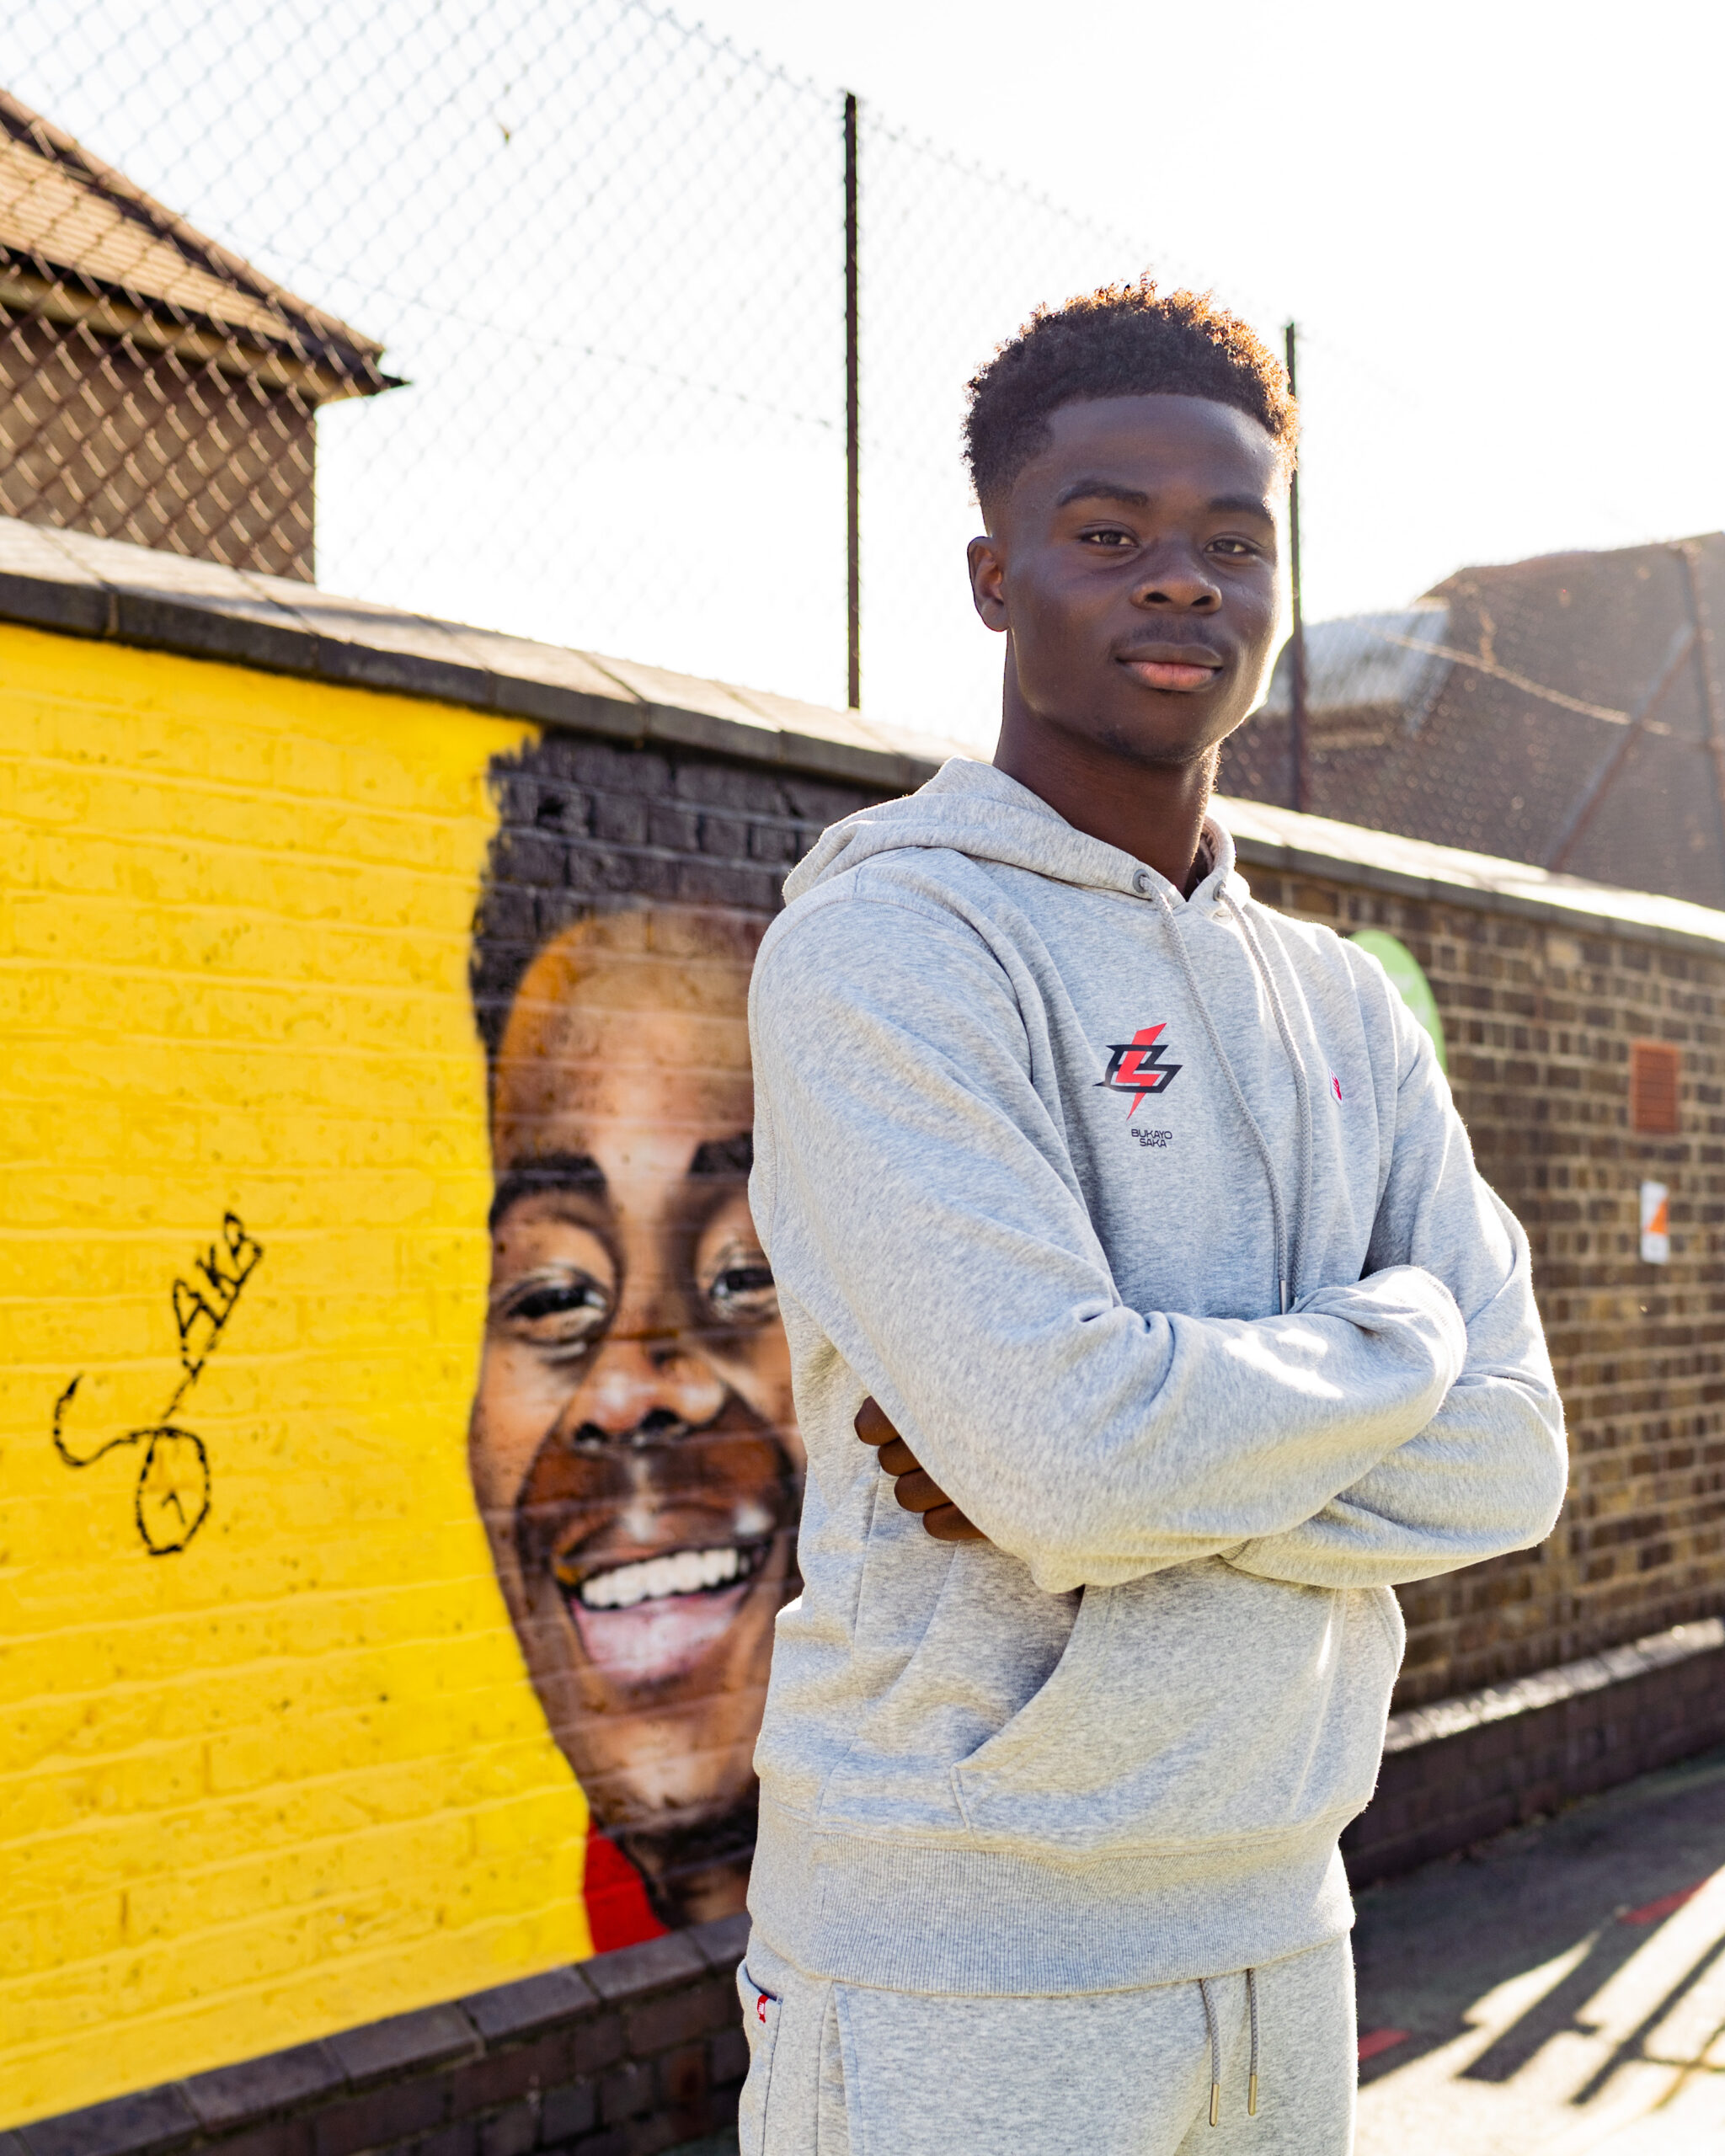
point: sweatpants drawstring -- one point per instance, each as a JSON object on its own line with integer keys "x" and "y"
{"x": 1215, "y": 2054}
{"x": 1215, "y": 2049}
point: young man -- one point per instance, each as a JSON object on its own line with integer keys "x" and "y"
{"x": 1133, "y": 1223}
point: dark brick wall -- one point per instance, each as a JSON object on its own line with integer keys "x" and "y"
{"x": 1539, "y": 1019}
{"x": 586, "y": 823}
{"x": 626, "y": 2055}
{"x": 1436, "y": 1797}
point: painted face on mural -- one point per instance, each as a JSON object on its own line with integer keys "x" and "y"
{"x": 632, "y": 1444}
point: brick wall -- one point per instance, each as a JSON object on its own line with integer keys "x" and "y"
{"x": 162, "y": 453}
{"x": 292, "y": 1778}
{"x": 1539, "y": 1019}
{"x": 288, "y": 1776}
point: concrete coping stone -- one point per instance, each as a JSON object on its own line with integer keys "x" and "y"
{"x": 234, "y": 2095}
{"x": 112, "y": 591}
{"x": 632, "y": 1972}
{"x": 434, "y": 2036}
{"x": 128, "y": 2126}
{"x": 1550, "y": 1688}
{"x": 516, "y": 2011}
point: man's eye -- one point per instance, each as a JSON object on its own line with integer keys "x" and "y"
{"x": 1234, "y": 546}
{"x": 1112, "y": 537}
{"x": 740, "y": 1289}
{"x": 555, "y": 1306}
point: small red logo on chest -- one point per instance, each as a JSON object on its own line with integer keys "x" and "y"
{"x": 1137, "y": 1066}
{"x": 1335, "y": 1085}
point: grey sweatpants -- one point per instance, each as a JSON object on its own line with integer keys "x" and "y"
{"x": 842, "y": 2070}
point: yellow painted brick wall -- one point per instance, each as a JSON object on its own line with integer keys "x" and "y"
{"x": 291, "y": 1776}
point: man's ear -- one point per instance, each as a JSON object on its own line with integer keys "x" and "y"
{"x": 988, "y": 571}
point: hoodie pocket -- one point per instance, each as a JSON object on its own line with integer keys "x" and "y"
{"x": 1049, "y": 1719}
{"x": 1192, "y": 1707}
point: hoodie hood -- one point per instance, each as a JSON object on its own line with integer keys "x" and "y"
{"x": 971, "y": 809}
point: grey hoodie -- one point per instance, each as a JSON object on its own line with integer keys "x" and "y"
{"x": 1149, "y": 1223}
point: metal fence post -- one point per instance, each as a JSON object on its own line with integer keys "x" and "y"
{"x": 853, "y": 413}
{"x": 1296, "y": 701}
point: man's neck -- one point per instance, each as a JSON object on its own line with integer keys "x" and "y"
{"x": 1155, "y": 812}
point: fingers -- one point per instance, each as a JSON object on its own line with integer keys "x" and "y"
{"x": 914, "y": 1487}
{"x": 918, "y": 1492}
{"x": 946, "y": 1523}
{"x": 872, "y": 1425}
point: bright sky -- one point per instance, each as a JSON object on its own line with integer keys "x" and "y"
{"x": 1496, "y": 223}
{"x": 608, "y": 261}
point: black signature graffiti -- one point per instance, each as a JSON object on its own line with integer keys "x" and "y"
{"x": 171, "y": 1501}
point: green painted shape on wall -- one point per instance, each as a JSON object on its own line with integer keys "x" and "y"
{"x": 1410, "y": 985}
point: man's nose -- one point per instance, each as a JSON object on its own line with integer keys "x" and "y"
{"x": 649, "y": 1376}
{"x": 1178, "y": 581}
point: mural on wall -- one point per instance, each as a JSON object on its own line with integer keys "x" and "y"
{"x": 274, "y": 1763}
{"x": 634, "y": 1447}
{"x": 386, "y": 1597}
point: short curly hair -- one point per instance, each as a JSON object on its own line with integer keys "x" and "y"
{"x": 1126, "y": 340}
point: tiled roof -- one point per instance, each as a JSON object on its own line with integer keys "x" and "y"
{"x": 78, "y": 242}
{"x": 1578, "y": 724}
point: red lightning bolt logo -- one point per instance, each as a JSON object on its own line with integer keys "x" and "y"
{"x": 1137, "y": 1066}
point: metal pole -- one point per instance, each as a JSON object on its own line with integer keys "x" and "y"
{"x": 853, "y": 414}
{"x": 1296, "y": 670}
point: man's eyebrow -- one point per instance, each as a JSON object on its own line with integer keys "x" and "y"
{"x": 571, "y": 1171}
{"x": 1102, "y": 490}
{"x": 724, "y": 1156}
{"x": 1113, "y": 490}
{"x": 1242, "y": 505}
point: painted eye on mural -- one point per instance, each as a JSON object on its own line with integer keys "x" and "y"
{"x": 737, "y": 1283}
{"x": 555, "y": 1306}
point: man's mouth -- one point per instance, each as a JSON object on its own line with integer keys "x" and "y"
{"x": 1170, "y": 668}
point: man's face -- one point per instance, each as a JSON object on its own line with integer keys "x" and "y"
{"x": 633, "y": 1442}
{"x": 1132, "y": 565}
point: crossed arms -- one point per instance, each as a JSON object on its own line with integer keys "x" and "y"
{"x": 917, "y": 1203}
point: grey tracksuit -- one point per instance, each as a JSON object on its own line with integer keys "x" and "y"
{"x": 1149, "y": 1223}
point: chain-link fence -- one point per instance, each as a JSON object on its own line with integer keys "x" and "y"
{"x": 537, "y": 307}
{"x": 1567, "y": 711}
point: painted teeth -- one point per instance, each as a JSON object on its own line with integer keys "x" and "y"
{"x": 685, "y": 1571}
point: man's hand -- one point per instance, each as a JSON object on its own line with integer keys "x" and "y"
{"x": 916, "y": 1490}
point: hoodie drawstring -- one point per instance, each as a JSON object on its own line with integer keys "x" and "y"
{"x": 1215, "y": 2053}
{"x": 1214, "y": 2032}
{"x": 1302, "y": 1090}
{"x": 1283, "y": 1298}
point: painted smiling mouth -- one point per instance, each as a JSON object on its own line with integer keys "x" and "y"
{"x": 677, "y": 1573}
